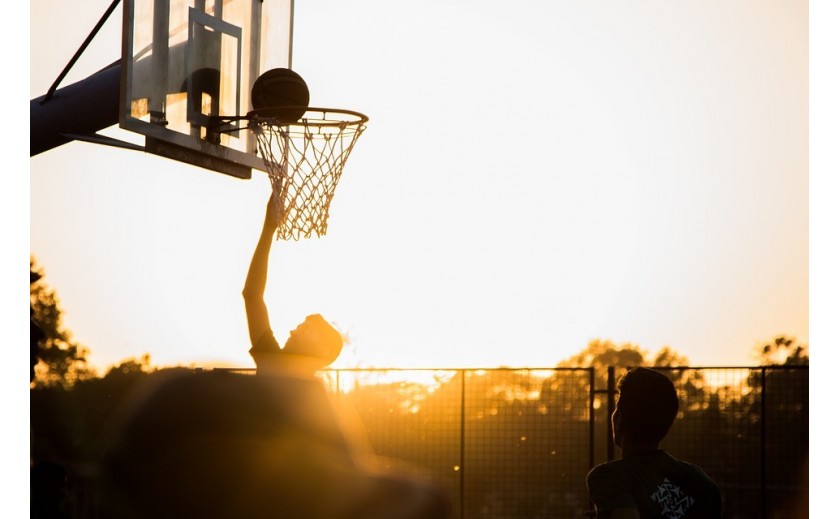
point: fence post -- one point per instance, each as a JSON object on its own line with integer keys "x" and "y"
{"x": 591, "y": 417}
{"x": 610, "y": 409}
{"x": 463, "y": 442}
{"x": 763, "y": 443}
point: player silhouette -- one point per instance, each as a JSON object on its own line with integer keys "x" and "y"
{"x": 647, "y": 482}
{"x": 313, "y": 345}
{"x": 217, "y": 444}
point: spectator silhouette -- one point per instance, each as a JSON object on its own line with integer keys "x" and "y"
{"x": 647, "y": 482}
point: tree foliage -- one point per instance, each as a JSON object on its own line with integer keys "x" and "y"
{"x": 62, "y": 361}
{"x": 519, "y": 446}
{"x": 603, "y": 354}
{"x": 71, "y": 425}
{"x": 781, "y": 351}
{"x": 519, "y": 438}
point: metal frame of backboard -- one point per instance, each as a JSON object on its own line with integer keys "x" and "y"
{"x": 159, "y": 67}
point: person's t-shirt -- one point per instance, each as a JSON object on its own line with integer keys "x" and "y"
{"x": 657, "y": 485}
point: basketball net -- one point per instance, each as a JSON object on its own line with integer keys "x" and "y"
{"x": 304, "y": 161}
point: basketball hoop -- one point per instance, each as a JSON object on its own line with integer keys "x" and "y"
{"x": 304, "y": 160}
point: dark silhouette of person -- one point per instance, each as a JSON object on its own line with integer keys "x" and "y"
{"x": 221, "y": 444}
{"x": 48, "y": 491}
{"x": 647, "y": 482}
{"x": 313, "y": 345}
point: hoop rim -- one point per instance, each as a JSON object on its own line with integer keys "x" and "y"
{"x": 219, "y": 124}
{"x": 350, "y": 117}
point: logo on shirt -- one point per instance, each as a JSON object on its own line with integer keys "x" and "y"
{"x": 671, "y": 500}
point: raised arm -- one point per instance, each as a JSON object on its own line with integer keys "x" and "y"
{"x": 255, "y": 309}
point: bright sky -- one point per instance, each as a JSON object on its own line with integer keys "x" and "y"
{"x": 531, "y": 179}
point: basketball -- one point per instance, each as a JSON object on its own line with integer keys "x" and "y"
{"x": 280, "y": 93}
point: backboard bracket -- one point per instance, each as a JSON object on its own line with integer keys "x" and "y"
{"x": 202, "y": 160}
{"x": 103, "y": 140}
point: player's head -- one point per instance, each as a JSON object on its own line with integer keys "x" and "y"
{"x": 315, "y": 338}
{"x": 646, "y": 409}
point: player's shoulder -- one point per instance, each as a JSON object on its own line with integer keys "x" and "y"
{"x": 698, "y": 477}
{"x": 601, "y": 471}
{"x": 693, "y": 468}
{"x": 601, "y": 467}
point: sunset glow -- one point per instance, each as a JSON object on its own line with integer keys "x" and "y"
{"x": 531, "y": 179}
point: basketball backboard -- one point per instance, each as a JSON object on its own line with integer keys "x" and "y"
{"x": 186, "y": 60}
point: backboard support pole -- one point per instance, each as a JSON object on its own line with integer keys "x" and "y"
{"x": 81, "y": 50}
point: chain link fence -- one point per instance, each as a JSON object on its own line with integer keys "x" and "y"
{"x": 518, "y": 443}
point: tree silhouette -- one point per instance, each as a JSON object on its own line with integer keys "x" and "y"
{"x": 72, "y": 425}
{"x": 519, "y": 446}
{"x": 782, "y": 350}
{"x": 61, "y": 360}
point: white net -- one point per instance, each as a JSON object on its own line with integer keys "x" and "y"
{"x": 305, "y": 160}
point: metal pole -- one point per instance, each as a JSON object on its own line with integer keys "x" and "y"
{"x": 591, "y": 418}
{"x": 610, "y": 409}
{"x": 463, "y": 441}
{"x": 763, "y": 443}
{"x": 79, "y": 52}
{"x": 160, "y": 62}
